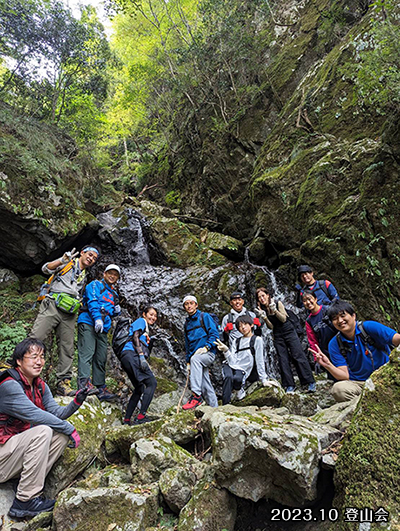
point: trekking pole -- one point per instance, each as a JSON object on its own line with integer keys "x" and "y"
{"x": 183, "y": 393}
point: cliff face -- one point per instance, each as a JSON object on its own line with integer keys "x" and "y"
{"x": 308, "y": 172}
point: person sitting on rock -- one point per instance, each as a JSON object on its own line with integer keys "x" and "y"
{"x": 134, "y": 361}
{"x": 59, "y": 307}
{"x": 319, "y": 328}
{"x": 325, "y": 291}
{"x": 357, "y": 350}
{"x": 99, "y": 305}
{"x": 286, "y": 342}
{"x": 240, "y": 359}
{"x": 231, "y": 333}
{"x": 33, "y": 429}
{"x": 201, "y": 333}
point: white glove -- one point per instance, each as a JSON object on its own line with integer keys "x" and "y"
{"x": 220, "y": 346}
{"x": 117, "y": 309}
{"x": 98, "y": 326}
{"x": 272, "y": 306}
{"x": 201, "y": 350}
{"x": 260, "y": 313}
{"x": 68, "y": 256}
{"x": 265, "y": 383}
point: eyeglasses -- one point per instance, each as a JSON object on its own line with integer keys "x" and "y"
{"x": 35, "y": 357}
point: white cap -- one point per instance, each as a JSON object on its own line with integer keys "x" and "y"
{"x": 114, "y": 267}
{"x": 189, "y": 298}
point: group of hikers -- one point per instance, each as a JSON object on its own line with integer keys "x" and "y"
{"x": 33, "y": 427}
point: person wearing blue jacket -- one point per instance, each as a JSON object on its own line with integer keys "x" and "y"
{"x": 324, "y": 290}
{"x": 100, "y": 305}
{"x": 357, "y": 350}
{"x": 201, "y": 334}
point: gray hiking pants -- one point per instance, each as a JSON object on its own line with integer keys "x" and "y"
{"x": 200, "y": 382}
{"x": 51, "y": 318}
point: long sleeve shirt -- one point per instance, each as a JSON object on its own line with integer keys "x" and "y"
{"x": 243, "y": 359}
{"x": 198, "y": 335}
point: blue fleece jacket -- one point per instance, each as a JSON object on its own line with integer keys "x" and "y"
{"x": 100, "y": 300}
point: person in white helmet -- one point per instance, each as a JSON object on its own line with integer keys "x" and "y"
{"x": 100, "y": 305}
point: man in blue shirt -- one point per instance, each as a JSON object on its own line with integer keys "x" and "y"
{"x": 356, "y": 351}
{"x": 201, "y": 333}
{"x": 324, "y": 290}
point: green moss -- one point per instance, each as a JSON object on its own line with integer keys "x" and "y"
{"x": 165, "y": 386}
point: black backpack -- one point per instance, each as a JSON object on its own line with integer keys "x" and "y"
{"x": 295, "y": 321}
{"x": 121, "y": 335}
{"x": 251, "y": 345}
{"x": 202, "y": 325}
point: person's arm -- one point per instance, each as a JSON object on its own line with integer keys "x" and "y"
{"x": 136, "y": 341}
{"x": 333, "y": 294}
{"x": 339, "y": 371}
{"x": 231, "y": 354}
{"x": 61, "y": 412}
{"x": 396, "y": 340}
{"x": 15, "y": 403}
{"x": 311, "y": 337}
{"x": 280, "y": 312}
{"x": 260, "y": 362}
{"x": 299, "y": 296}
{"x": 92, "y": 293}
{"x": 212, "y": 331}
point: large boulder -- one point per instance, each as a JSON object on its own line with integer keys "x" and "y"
{"x": 176, "y": 485}
{"x": 128, "y": 508}
{"x": 259, "y": 454}
{"x": 92, "y": 421}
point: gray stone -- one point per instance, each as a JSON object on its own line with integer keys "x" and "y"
{"x": 176, "y": 485}
{"x": 7, "y": 278}
{"x": 337, "y": 416}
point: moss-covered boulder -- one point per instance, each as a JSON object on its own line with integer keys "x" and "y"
{"x": 338, "y": 416}
{"x": 210, "y": 508}
{"x": 91, "y": 421}
{"x": 176, "y": 485}
{"x": 270, "y": 395}
{"x": 259, "y": 454}
{"x": 368, "y": 467}
{"x": 128, "y": 508}
{"x": 110, "y": 476}
{"x": 149, "y": 457}
{"x": 118, "y": 441}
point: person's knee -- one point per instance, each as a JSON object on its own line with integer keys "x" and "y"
{"x": 344, "y": 391}
{"x": 42, "y": 432}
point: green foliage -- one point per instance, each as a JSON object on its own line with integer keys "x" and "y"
{"x": 173, "y": 198}
{"x": 11, "y": 335}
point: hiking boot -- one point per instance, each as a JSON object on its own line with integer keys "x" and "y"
{"x": 85, "y": 383}
{"x": 21, "y": 509}
{"x": 312, "y": 387}
{"x": 195, "y": 400}
{"x": 241, "y": 394}
{"x": 290, "y": 390}
{"x": 143, "y": 420}
{"x": 105, "y": 395}
{"x": 64, "y": 388}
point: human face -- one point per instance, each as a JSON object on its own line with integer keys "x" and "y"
{"x": 237, "y": 304}
{"x": 191, "y": 307}
{"x": 31, "y": 365}
{"x": 111, "y": 276}
{"x": 307, "y": 278}
{"x": 263, "y": 298}
{"x": 346, "y": 324}
{"x": 151, "y": 316}
{"x": 245, "y": 329}
{"x": 87, "y": 259}
{"x": 310, "y": 303}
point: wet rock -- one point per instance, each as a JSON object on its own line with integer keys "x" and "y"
{"x": 149, "y": 457}
{"x": 128, "y": 507}
{"x": 263, "y": 455}
{"x": 209, "y": 509}
{"x": 91, "y": 422}
{"x": 8, "y": 278}
{"x": 176, "y": 485}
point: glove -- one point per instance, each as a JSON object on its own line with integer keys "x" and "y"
{"x": 75, "y": 440}
{"x": 98, "y": 326}
{"x": 201, "y": 350}
{"x": 68, "y": 256}
{"x": 272, "y": 306}
{"x": 256, "y": 321}
{"x": 265, "y": 383}
{"x": 81, "y": 395}
{"x": 228, "y": 327}
{"x": 261, "y": 313}
{"x": 143, "y": 363}
{"x": 221, "y": 346}
{"x": 298, "y": 287}
{"x": 117, "y": 309}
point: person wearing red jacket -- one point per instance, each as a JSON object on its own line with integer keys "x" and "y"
{"x": 33, "y": 429}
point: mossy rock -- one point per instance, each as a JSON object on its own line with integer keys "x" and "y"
{"x": 368, "y": 467}
{"x": 263, "y": 396}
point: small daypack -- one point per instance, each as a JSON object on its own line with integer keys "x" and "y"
{"x": 121, "y": 335}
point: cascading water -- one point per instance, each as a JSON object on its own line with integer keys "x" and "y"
{"x": 125, "y": 239}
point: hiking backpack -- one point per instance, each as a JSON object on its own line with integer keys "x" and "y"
{"x": 295, "y": 321}
{"x": 121, "y": 335}
{"x": 251, "y": 345}
{"x": 202, "y": 325}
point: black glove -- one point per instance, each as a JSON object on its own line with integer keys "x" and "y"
{"x": 82, "y": 394}
{"x": 143, "y": 363}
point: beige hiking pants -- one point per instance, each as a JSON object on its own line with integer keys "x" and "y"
{"x": 346, "y": 390}
{"x": 31, "y": 454}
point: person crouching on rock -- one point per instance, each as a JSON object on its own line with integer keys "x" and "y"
{"x": 33, "y": 429}
{"x": 134, "y": 361}
{"x": 201, "y": 333}
{"x": 240, "y": 359}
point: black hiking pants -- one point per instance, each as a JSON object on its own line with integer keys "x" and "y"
{"x": 288, "y": 346}
{"x": 233, "y": 379}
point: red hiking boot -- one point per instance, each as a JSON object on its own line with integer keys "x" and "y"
{"x": 195, "y": 400}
